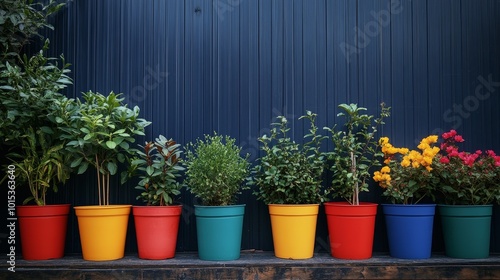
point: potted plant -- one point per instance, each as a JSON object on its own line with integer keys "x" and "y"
{"x": 42, "y": 166}
{"x": 99, "y": 131}
{"x": 36, "y": 156}
{"x": 157, "y": 223}
{"x": 351, "y": 224}
{"x": 288, "y": 177}
{"x": 469, "y": 183}
{"x": 407, "y": 177}
{"x": 215, "y": 172}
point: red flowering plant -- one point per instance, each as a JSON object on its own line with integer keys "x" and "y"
{"x": 467, "y": 178}
{"x": 407, "y": 176}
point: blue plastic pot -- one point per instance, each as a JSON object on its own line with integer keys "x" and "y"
{"x": 409, "y": 230}
{"x": 219, "y": 230}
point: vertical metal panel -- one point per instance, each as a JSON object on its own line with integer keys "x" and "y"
{"x": 276, "y": 59}
{"x": 199, "y": 66}
{"x": 421, "y": 99}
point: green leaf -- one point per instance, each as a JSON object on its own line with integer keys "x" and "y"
{"x": 28, "y": 200}
{"x": 123, "y": 177}
{"x": 150, "y": 170}
{"x": 112, "y": 168}
{"x": 84, "y": 130}
{"x": 7, "y": 87}
{"x": 76, "y": 162}
{"x": 121, "y": 158}
{"x": 88, "y": 137}
{"x": 83, "y": 167}
{"x": 362, "y": 166}
{"x": 73, "y": 143}
{"x": 47, "y": 130}
{"x": 124, "y": 145}
{"x": 111, "y": 144}
{"x": 138, "y": 162}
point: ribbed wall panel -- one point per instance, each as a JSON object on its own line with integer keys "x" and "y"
{"x": 232, "y": 66}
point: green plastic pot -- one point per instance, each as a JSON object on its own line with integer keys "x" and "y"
{"x": 466, "y": 230}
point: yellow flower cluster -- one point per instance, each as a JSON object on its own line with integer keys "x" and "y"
{"x": 383, "y": 177}
{"x": 389, "y": 150}
{"x": 411, "y": 158}
{"x": 417, "y": 159}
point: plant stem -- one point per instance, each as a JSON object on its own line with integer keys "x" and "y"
{"x": 355, "y": 198}
{"x": 98, "y": 179}
{"x": 107, "y": 186}
{"x": 103, "y": 189}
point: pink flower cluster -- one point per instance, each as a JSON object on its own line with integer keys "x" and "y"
{"x": 453, "y": 136}
{"x": 449, "y": 145}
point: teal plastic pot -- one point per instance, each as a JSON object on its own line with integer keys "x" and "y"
{"x": 219, "y": 230}
{"x": 466, "y": 230}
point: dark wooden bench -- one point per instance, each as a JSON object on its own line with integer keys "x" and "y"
{"x": 257, "y": 265}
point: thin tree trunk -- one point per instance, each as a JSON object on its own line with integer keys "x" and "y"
{"x": 103, "y": 178}
{"x": 98, "y": 179}
{"x": 107, "y": 186}
{"x": 355, "y": 198}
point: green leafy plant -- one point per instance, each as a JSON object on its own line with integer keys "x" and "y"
{"x": 289, "y": 173}
{"x": 158, "y": 165}
{"x": 27, "y": 93}
{"x": 99, "y": 132}
{"x": 20, "y": 21}
{"x": 42, "y": 163}
{"x": 355, "y": 152}
{"x": 215, "y": 170}
{"x": 27, "y": 84}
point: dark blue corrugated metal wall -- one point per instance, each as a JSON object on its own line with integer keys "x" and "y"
{"x": 231, "y": 66}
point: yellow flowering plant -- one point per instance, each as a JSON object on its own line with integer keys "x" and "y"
{"x": 407, "y": 176}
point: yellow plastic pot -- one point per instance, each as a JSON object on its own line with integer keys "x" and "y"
{"x": 103, "y": 230}
{"x": 294, "y": 229}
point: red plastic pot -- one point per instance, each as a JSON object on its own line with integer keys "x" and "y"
{"x": 43, "y": 230}
{"x": 156, "y": 228}
{"x": 351, "y": 229}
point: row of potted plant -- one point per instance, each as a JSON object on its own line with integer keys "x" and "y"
{"x": 50, "y": 137}
{"x": 99, "y": 132}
